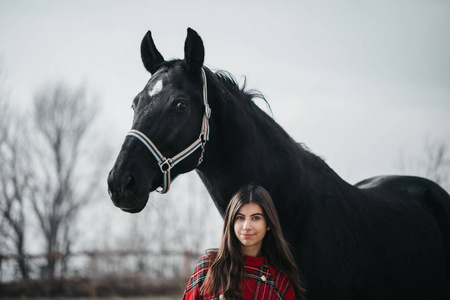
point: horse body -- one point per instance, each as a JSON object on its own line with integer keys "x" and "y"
{"x": 372, "y": 241}
{"x": 384, "y": 238}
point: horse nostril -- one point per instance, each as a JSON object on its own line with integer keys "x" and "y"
{"x": 129, "y": 183}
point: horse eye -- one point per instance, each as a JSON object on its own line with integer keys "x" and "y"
{"x": 181, "y": 106}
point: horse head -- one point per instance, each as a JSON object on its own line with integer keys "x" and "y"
{"x": 169, "y": 114}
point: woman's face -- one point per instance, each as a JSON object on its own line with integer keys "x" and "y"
{"x": 250, "y": 228}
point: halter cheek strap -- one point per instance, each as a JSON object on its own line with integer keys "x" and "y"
{"x": 166, "y": 164}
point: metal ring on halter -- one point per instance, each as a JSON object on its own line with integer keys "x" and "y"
{"x": 171, "y": 162}
{"x": 166, "y": 162}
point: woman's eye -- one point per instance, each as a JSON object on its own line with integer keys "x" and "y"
{"x": 256, "y": 218}
{"x": 181, "y": 106}
{"x": 239, "y": 218}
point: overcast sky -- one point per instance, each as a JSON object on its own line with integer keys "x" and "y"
{"x": 361, "y": 83}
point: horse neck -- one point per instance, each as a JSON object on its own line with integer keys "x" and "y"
{"x": 247, "y": 146}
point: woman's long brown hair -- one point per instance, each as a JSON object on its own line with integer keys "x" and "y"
{"x": 227, "y": 271}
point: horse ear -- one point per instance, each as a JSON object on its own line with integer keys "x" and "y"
{"x": 194, "y": 52}
{"x": 149, "y": 54}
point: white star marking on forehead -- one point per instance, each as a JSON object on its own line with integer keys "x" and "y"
{"x": 156, "y": 88}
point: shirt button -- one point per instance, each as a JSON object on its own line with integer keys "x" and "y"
{"x": 263, "y": 278}
{"x": 222, "y": 297}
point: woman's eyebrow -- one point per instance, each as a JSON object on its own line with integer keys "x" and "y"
{"x": 255, "y": 214}
{"x": 258, "y": 214}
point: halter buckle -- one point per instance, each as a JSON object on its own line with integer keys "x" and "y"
{"x": 202, "y": 136}
{"x": 165, "y": 165}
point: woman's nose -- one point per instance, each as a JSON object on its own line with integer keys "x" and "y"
{"x": 246, "y": 224}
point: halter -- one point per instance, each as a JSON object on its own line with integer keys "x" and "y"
{"x": 166, "y": 164}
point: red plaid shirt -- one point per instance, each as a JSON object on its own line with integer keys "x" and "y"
{"x": 262, "y": 281}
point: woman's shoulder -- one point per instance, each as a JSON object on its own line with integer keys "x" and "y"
{"x": 203, "y": 262}
{"x": 206, "y": 260}
{"x": 197, "y": 279}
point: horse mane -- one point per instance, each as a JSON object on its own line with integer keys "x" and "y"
{"x": 230, "y": 81}
{"x": 236, "y": 100}
{"x": 238, "y": 103}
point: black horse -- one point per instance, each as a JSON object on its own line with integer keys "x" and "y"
{"x": 384, "y": 238}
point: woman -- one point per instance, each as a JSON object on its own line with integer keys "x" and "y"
{"x": 253, "y": 261}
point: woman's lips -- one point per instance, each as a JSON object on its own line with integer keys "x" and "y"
{"x": 247, "y": 235}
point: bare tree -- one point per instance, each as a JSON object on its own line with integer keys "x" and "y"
{"x": 434, "y": 164}
{"x": 4, "y": 119}
{"x": 14, "y": 184}
{"x": 15, "y": 188}
{"x": 437, "y": 163}
{"x": 62, "y": 117}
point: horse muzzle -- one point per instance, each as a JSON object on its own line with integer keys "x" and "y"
{"x": 126, "y": 193}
